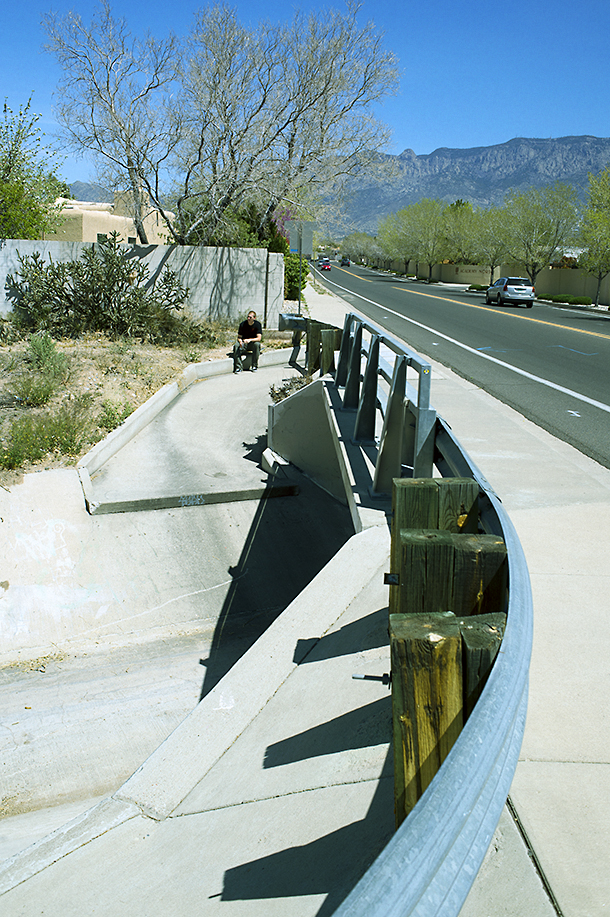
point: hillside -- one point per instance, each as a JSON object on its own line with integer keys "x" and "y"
{"x": 481, "y": 175}
{"x": 91, "y": 192}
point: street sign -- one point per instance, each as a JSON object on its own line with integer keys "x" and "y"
{"x": 301, "y": 237}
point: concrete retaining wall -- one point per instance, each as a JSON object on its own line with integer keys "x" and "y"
{"x": 223, "y": 282}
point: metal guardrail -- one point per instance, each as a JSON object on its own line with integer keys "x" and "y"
{"x": 406, "y": 437}
{"x": 428, "y": 867}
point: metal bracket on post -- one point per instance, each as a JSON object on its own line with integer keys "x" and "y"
{"x": 423, "y": 459}
{"x": 364, "y": 429}
{"x": 351, "y": 396}
{"x": 389, "y": 458}
{"x": 341, "y": 374}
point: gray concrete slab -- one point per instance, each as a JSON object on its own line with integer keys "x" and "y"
{"x": 148, "y": 868}
{"x": 113, "y": 627}
{"x": 310, "y": 736}
{"x": 311, "y": 833}
{"x": 192, "y": 447}
{"x": 565, "y": 808}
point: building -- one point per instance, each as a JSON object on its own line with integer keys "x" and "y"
{"x": 82, "y": 221}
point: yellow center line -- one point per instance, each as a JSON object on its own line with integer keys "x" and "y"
{"x": 356, "y": 275}
{"x": 523, "y": 318}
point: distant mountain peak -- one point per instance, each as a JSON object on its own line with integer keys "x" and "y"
{"x": 90, "y": 192}
{"x": 482, "y": 175}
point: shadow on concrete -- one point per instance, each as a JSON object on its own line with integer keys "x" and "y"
{"x": 368, "y": 633}
{"x": 291, "y": 539}
{"x": 361, "y": 728}
{"x": 256, "y": 449}
{"x": 330, "y": 865}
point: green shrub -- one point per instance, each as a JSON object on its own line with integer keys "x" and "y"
{"x": 291, "y": 276}
{"x": 112, "y": 414}
{"x": 71, "y": 427}
{"x": 42, "y": 354}
{"x": 46, "y": 369}
{"x": 27, "y": 441}
{"x": 33, "y": 389}
{"x": 10, "y": 332}
{"x": 566, "y": 299}
{"x": 66, "y": 431}
{"x": 107, "y": 290}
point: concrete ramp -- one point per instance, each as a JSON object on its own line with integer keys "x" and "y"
{"x": 196, "y": 442}
{"x": 151, "y": 607}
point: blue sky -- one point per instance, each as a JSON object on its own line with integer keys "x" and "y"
{"x": 473, "y": 73}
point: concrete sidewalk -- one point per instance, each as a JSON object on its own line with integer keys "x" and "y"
{"x": 559, "y": 502}
{"x": 274, "y": 795}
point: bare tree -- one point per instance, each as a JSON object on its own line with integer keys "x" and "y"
{"x": 113, "y": 99}
{"x": 233, "y": 116}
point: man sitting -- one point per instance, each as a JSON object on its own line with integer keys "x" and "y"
{"x": 249, "y": 336}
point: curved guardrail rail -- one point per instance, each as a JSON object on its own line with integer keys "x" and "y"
{"x": 429, "y": 866}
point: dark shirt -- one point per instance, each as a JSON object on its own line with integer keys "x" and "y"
{"x": 247, "y": 332}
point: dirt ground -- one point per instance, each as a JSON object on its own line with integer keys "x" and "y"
{"x": 121, "y": 372}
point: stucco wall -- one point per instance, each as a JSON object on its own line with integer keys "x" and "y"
{"x": 82, "y": 221}
{"x": 223, "y": 282}
{"x": 550, "y": 281}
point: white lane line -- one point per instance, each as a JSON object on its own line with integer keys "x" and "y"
{"x": 484, "y": 356}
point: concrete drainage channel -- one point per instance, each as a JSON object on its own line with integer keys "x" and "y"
{"x": 430, "y": 862}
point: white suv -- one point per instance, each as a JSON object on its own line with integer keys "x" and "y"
{"x": 511, "y": 289}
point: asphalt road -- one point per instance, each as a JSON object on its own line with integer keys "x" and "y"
{"x": 551, "y": 364}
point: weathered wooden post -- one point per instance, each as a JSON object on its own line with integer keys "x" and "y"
{"x": 426, "y": 654}
{"x": 448, "y": 597}
{"x": 450, "y": 504}
{"x": 331, "y": 341}
{"x": 440, "y": 571}
{"x": 314, "y": 340}
{"x": 481, "y": 639}
{"x": 440, "y": 664}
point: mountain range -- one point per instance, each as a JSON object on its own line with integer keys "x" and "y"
{"x": 482, "y": 175}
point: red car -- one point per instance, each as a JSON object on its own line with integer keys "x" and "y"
{"x": 325, "y": 266}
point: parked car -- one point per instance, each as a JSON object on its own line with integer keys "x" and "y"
{"x": 511, "y": 289}
{"x": 325, "y": 266}
{"x": 344, "y": 261}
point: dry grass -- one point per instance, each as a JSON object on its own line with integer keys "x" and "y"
{"x": 103, "y": 373}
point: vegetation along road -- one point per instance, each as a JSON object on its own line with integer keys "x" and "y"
{"x": 549, "y": 363}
